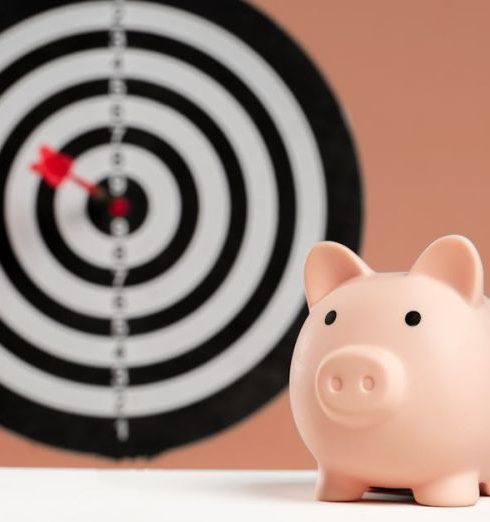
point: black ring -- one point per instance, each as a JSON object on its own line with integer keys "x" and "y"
{"x": 100, "y": 211}
{"x": 219, "y": 271}
{"x": 151, "y": 434}
{"x": 272, "y": 273}
{"x": 170, "y": 254}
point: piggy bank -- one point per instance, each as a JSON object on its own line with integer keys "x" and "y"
{"x": 390, "y": 376}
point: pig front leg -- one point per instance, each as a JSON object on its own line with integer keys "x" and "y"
{"x": 335, "y": 487}
{"x": 449, "y": 491}
{"x": 485, "y": 489}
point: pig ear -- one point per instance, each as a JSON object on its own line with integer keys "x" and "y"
{"x": 455, "y": 261}
{"x": 327, "y": 266}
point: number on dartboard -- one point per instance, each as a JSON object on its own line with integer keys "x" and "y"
{"x": 236, "y": 160}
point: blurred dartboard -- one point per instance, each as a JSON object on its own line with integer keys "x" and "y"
{"x": 238, "y": 160}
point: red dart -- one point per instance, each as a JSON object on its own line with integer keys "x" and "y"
{"x": 55, "y": 167}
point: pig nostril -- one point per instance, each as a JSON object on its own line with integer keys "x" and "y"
{"x": 367, "y": 383}
{"x": 336, "y": 384}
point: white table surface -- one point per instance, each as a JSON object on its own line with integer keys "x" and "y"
{"x": 192, "y": 496}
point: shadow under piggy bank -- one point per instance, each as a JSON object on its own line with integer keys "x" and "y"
{"x": 302, "y": 491}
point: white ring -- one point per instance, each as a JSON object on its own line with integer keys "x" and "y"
{"x": 194, "y": 264}
{"x": 308, "y": 172}
{"x": 164, "y": 208}
{"x": 260, "y": 231}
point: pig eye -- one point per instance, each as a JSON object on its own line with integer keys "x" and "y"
{"x": 330, "y": 317}
{"x": 413, "y": 318}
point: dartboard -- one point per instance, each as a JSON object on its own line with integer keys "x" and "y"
{"x": 237, "y": 159}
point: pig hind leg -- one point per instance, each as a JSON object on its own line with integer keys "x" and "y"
{"x": 455, "y": 490}
{"x": 334, "y": 487}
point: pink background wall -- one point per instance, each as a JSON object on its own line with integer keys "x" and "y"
{"x": 414, "y": 79}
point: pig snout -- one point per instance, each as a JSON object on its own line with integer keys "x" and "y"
{"x": 360, "y": 385}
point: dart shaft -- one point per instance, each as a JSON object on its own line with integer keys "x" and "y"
{"x": 91, "y": 188}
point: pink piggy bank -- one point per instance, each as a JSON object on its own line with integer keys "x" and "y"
{"x": 390, "y": 377}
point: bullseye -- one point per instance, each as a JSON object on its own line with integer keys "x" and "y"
{"x": 133, "y": 206}
{"x": 118, "y": 207}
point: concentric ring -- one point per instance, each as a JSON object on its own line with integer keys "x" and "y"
{"x": 164, "y": 259}
{"x": 80, "y": 235}
{"x": 79, "y": 232}
{"x": 282, "y": 169}
{"x": 79, "y": 295}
